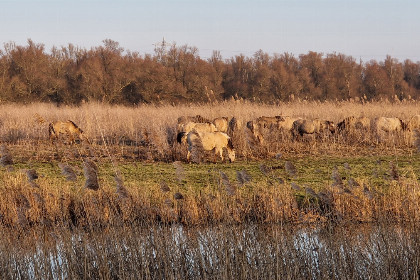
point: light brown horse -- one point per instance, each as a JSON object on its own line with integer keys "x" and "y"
{"x": 384, "y": 124}
{"x": 192, "y": 126}
{"x": 209, "y": 141}
{"x": 260, "y": 126}
{"x": 67, "y": 128}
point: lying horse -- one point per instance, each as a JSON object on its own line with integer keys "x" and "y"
{"x": 69, "y": 128}
{"x": 209, "y": 141}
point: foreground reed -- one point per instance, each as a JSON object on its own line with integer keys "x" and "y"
{"x": 218, "y": 252}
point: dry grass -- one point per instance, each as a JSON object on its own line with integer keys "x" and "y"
{"x": 141, "y": 219}
{"x": 147, "y": 133}
{"x": 95, "y": 117}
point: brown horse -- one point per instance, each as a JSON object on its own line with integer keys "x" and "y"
{"x": 68, "y": 128}
{"x": 260, "y": 126}
{"x": 352, "y": 123}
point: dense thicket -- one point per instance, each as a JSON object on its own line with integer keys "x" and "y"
{"x": 177, "y": 74}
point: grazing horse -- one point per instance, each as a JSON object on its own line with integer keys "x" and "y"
{"x": 261, "y": 125}
{"x": 384, "y": 124}
{"x": 190, "y": 126}
{"x": 383, "y": 127}
{"x": 209, "y": 141}
{"x": 69, "y": 128}
{"x": 353, "y": 123}
{"x": 302, "y": 127}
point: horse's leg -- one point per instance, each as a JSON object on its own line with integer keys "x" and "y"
{"x": 188, "y": 155}
{"x": 219, "y": 151}
{"x": 72, "y": 140}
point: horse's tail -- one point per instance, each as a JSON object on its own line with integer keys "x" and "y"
{"x": 51, "y": 131}
{"x": 180, "y": 138}
{"x": 230, "y": 144}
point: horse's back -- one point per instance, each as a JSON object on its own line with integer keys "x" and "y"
{"x": 387, "y": 124}
{"x": 210, "y": 140}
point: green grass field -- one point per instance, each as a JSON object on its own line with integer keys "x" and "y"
{"x": 313, "y": 171}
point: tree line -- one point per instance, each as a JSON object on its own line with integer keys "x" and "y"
{"x": 177, "y": 74}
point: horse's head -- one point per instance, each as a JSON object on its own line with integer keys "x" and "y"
{"x": 231, "y": 155}
{"x": 250, "y": 126}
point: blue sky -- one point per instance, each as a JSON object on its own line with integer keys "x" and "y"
{"x": 366, "y": 30}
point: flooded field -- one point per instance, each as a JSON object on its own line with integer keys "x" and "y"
{"x": 220, "y": 252}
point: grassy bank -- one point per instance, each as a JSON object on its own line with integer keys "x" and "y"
{"x": 284, "y": 190}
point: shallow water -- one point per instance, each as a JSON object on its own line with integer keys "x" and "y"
{"x": 218, "y": 252}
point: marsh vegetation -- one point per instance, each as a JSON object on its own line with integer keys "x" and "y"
{"x": 128, "y": 203}
{"x": 249, "y": 251}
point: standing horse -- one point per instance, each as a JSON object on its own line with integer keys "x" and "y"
{"x": 69, "y": 128}
{"x": 190, "y": 126}
{"x": 209, "y": 141}
{"x": 384, "y": 124}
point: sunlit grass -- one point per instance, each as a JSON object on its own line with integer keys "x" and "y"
{"x": 276, "y": 190}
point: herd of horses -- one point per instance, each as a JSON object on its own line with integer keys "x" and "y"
{"x": 215, "y": 135}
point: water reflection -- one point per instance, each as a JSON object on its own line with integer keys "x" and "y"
{"x": 218, "y": 252}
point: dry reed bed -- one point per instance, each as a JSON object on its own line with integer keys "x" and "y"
{"x": 221, "y": 252}
{"x": 29, "y": 121}
{"x": 149, "y": 132}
